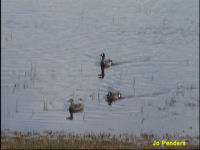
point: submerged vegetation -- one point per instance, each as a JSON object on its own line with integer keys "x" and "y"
{"x": 62, "y": 140}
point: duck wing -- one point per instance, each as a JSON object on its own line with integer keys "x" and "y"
{"x": 77, "y": 107}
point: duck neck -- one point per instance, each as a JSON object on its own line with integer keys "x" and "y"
{"x": 72, "y": 103}
{"x": 103, "y": 57}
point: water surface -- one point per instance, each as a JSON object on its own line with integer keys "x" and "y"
{"x": 50, "y": 53}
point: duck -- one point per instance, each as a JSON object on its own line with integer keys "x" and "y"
{"x": 111, "y": 97}
{"x": 105, "y": 63}
{"x": 74, "y": 108}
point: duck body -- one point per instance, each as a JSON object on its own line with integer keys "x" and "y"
{"x": 111, "y": 97}
{"x": 74, "y": 108}
{"x": 106, "y": 63}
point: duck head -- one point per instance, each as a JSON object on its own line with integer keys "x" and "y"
{"x": 102, "y": 55}
{"x": 71, "y": 101}
{"x": 109, "y": 94}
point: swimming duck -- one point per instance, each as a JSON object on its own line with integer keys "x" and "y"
{"x": 111, "y": 97}
{"x": 105, "y": 63}
{"x": 73, "y": 108}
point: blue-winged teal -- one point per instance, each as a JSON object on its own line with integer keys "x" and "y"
{"x": 111, "y": 97}
{"x": 105, "y": 63}
{"x": 73, "y": 108}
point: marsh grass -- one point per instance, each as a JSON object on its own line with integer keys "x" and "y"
{"x": 26, "y": 79}
{"x": 168, "y": 104}
{"x": 45, "y": 106}
{"x": 134, "y": 86}
{"x": 191, "y": 105}
{"x": 16, "y": 106}
{"x": 61, "y": 140}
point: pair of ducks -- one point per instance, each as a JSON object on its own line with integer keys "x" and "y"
{"x": 111, "y": 97}
{"x": 74, "y": 108}
{"x": 106, "y": 63}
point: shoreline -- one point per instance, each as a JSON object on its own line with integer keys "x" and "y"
{"x": 59, "y": 139}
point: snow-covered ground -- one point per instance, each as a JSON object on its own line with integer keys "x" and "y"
{"x": 50, "y": 53}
